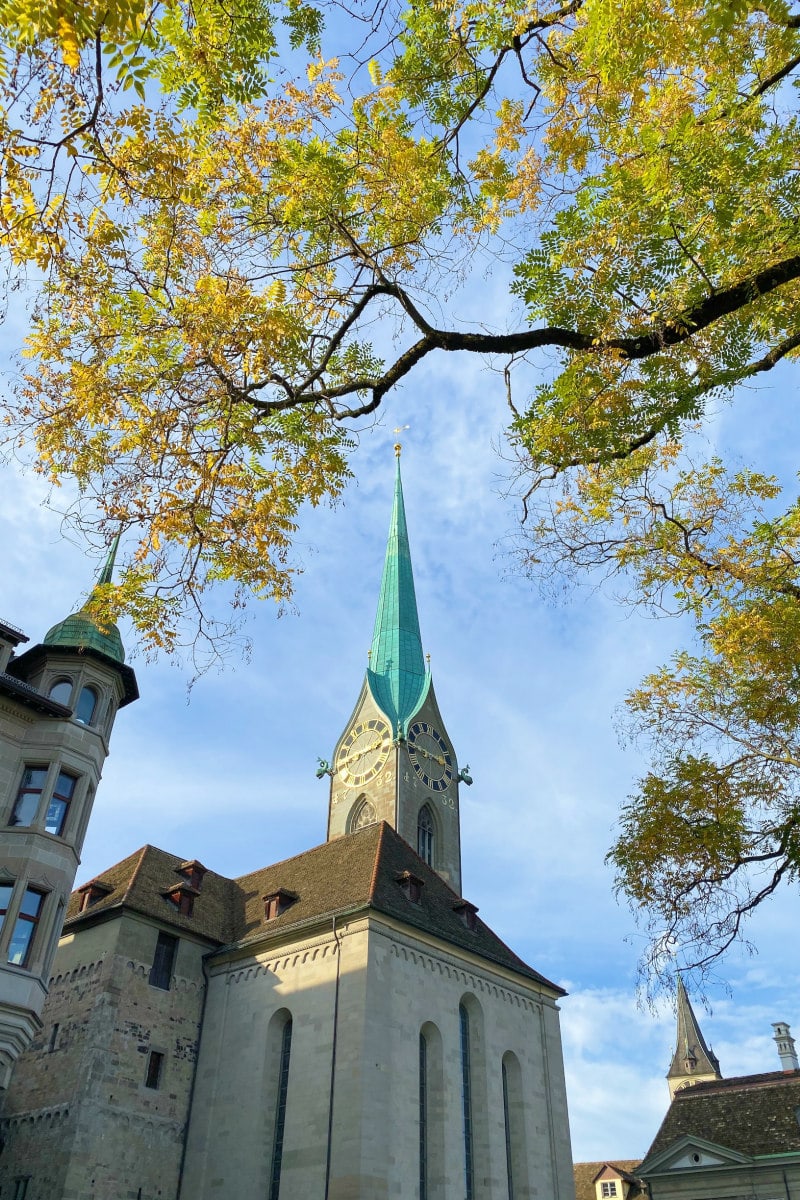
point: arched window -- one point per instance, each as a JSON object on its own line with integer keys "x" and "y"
{"x": 425, "y": 839}
{"x": 432, "y": 1107}
{"x": 466, "y": 1103}
{"x": 280, "y": 1110}
{"x": 514, "y": 1122}
{"x": 423, "y": 1117}
{"x": 61, "y": 691}
{"x": 363, "y": 815}
{"x": 87, "y": 703}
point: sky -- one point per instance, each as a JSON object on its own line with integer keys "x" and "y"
{"x": 529, "y": 688}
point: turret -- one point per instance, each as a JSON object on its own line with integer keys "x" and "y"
{"x": 693, "y": 1061}
{"x": 395, "y": 762}
{"x": 58, "y": 702}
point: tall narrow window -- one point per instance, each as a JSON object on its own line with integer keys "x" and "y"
{"x": 280, "y": 1111}
{"x": 466, "y": 1104}
{"x": 507, "y": 1125}
{"x": 5, "y": 899}
{"x": 59, "y": 804}
{"x": 514, "y": 1123}
{"x": 87, "y": 703}
{"x": 163, "y": 961}
{"x": 155, "y": 1067}
{"x": 425, "y": 835}
{"x": 28, "y": 796}
{"x": 30, "y": 910}
{"x": 423, "y": 1118}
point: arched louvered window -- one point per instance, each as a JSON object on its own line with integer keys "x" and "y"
{"x": 363, "y": 815}
{"x": 425, "y": 835}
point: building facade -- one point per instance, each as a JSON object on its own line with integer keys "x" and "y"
{"x": 58, "y": 703}
{"x": 725, "y": 1139}
{"x": 340, "y": 1025}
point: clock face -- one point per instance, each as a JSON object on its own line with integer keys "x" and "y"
{"x": 363, "y": 752}
{"x": 430, "y": 756}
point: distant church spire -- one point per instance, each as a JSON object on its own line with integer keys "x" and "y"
{"x": 397, "y": 676}
{"x": 693, "y": 1061}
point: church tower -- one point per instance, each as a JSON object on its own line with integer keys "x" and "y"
{"x": 58, "y": 702}
{"x": 395, "y": 761}
{"x": 693, "y": 1061}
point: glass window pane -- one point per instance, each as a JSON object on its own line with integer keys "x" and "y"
{"x": 5, "y": 897}
{"x": 87, "y": 703}
{"x": 25, "y": 808}
{"x": 20, "y": 942}
{"x": 61, "y": 691}
{"x": 34, "y": 777}
{"x": 56, "y": 816}
{"x": 31, "y": 902}
{"x": 65, "y": 786}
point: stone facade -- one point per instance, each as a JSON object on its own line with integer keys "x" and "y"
{"x": 79, "y": 1117}
{"x": 359, "y": 997}
{"x": 57, "y": 708}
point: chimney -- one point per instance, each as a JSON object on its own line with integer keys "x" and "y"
{"x": 785, "y": 1043}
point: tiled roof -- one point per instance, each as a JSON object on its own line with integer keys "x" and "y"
{"x": 753, "y": 1114}
{"x": 138, "y": 883}
{"x": 586, "y": 1173}
{"x": 359, "y": 871}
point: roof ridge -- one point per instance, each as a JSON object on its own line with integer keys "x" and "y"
{"x": 382, "y": 827}
{"x": 136, "y": 871}
{"x": 303, "y": 854}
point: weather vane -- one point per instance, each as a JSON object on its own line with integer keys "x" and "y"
{"x": 398, "y": 446}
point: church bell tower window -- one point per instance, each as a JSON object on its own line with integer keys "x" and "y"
{"x": 363, "y": 815}
{"x": 425, "y": 835}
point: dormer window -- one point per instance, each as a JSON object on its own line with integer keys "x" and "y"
{"x": 276, "y": 903}
{"x": 411, "y": 885}
{"x": 468, "y": 913}
{"x": 92, "y": 893}
{"x": 608, "y": 1188}
{"x": 193, "y": 872}
{"x": 182, "y": 897}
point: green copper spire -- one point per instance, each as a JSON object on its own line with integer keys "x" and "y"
{"x": 397, "y": 677}
{"x": 80, "y": 631}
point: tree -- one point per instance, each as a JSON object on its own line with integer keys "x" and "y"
{"x": 219, "y": 251}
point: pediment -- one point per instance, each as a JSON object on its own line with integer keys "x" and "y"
{"x": 690, "y": 1153}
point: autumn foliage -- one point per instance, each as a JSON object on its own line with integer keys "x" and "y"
{"x": 225, "y": 201}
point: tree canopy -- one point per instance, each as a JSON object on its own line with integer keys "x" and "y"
{"x": 227, "y": 205}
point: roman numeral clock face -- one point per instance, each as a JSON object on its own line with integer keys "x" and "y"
{"x": 363, "y": 752}
{"x": 430, "y": 756}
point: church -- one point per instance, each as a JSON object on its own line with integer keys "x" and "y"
{"x": 337, "y": 1026}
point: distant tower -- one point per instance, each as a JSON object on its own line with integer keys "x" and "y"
{"x": 693, "y": 1061}
{"x": 785, "y": 1043}
{"x": 395, "y": 762}
{"x": 58, "y": 702}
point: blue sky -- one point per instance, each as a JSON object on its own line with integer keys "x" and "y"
{"x": 528, "y": 690}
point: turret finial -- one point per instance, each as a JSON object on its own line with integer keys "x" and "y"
{"x": 107, "y": 572}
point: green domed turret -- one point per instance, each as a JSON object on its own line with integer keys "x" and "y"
{"x": 81, "y": 631}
